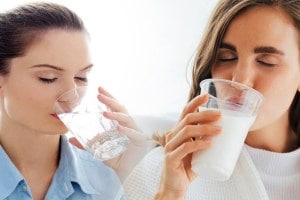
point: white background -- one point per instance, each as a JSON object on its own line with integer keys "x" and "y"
{"x": 142, "y": 49}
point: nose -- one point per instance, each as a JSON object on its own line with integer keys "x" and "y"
{"x": 244, "y": 74}
{"x": 68, "y": 91}
{"x": 70, "y": 95}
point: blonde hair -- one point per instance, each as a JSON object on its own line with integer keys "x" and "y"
{"x": 224, "y": 12}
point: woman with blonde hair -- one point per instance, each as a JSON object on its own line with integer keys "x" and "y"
{"x": 256, "y": 43}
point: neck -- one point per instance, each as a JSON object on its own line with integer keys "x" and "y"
{"x": 277, "y": 137}
{"x": 29, "y": 150}
{"x": 34, "y": 153}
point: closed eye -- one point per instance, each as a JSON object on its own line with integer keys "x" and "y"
{"x": 226, "y": 59}
{"x": 83, "y": 79}
{"x": 47, "y": 80}
{"x": 266, "y": 64}
{"x": 268, "y": 60}
{"x": 226, "y": 55}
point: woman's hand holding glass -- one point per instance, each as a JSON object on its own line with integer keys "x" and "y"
{"x": 193, "y": 132}
{"x": 138, "y": 143}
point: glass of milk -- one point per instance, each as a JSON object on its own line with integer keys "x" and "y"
{"x": 82, "y": 113}
{"x": 239, "y": 105}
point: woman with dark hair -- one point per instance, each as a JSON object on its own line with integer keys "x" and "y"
{"x": 44, "y": 52}
{"x": 256, "y": 43}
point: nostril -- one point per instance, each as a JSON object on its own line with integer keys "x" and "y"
{"x": 244, "y": 82}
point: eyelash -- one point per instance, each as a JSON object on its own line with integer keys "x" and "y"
{"x": 226, "y": 60}
{"x": 52, "y": 80}
{"x": 266, "y": 64}
{"x": 83, "y": 79}
{"x": 233, "y": 59}
{"x": 48, "y": 81}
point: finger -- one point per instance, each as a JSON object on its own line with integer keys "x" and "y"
{"x": 122, "y": 119}
{"x": 101, "y": 90}
{"x": 112, "y": 103}
{"x": 207, "y": 116}
{"x": 75, "y": 142}
{"x": 135, "y": 136}
{"x": 186, "y": 148}
{"x": 193, "y": 131}
{"x": 194, "y": 104}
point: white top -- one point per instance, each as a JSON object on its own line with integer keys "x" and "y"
{"x": 280, "y": 172}
{"x": 278, "y": 178}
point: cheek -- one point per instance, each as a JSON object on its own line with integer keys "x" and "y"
{"x": 27, "y": 104}
{"x": 20, "y": 106}
{"x": 222, "y": 72}
{"x": 278, "y": 97}
{"x": 33, "y": 113}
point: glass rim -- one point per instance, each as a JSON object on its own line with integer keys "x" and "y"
{"x": 72, "y": 89}
{"x": 261, "y": 97}
{"x": 78, "y": 104}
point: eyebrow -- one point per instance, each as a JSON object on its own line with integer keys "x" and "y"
{"x": 227, "y": 46}
{"x": 268, "y": 49}
{"x": 260, "y": 49}
{"x": 58, "y": 68}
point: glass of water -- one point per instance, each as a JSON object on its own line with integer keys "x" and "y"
{"x": 82, "y": 113}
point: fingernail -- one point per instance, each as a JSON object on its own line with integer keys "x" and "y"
{"x": 207, "y": 140}
{"x": 217, "y": 127}
{"x": 102, "y": 96}
{"x": 107, "y": 112}
{"x": 216, "y": 112}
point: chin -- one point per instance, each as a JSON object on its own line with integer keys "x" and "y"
{"x": 55, "y": 129}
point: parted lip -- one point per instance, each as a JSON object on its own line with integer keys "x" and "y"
{"x": 235, "y": 100}
{"x": 54, "y": 115}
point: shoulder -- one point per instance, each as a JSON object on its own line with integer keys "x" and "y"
{"x": 143, "y": 181}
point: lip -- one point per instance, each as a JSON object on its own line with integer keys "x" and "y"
{"x": 234, "y": 103}
{"x": 55, "y": 116}
{"x": 235, "y": 100}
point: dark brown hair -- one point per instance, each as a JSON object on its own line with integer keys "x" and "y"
{"x": 23, "y": 25}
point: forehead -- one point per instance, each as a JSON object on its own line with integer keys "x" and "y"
{"x": 264, "y": 23}
{"x": 62, "y": 48}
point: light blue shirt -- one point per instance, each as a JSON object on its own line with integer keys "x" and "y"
{"x": 78, "y": 176}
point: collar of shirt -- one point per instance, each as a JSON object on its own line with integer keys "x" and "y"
{"x": 72, "y": 172}
{"x": 10, "y": 177}
{"x": 77, "y": 172}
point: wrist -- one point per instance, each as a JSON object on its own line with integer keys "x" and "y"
{"x": 168, "y": 196}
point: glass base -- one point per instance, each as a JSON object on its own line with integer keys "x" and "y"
{"x": 108, "y": 145}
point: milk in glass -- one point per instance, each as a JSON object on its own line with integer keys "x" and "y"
{"x": 218, "y": 161}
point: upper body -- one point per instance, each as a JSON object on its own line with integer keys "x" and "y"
{"x": 78, "y": 176}
{"x": 44, "y": 51}
{"x": 255, "y": 43}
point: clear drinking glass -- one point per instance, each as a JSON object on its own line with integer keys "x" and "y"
{"x": 239, "y": 105}
{"x": 82, "y": 113}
